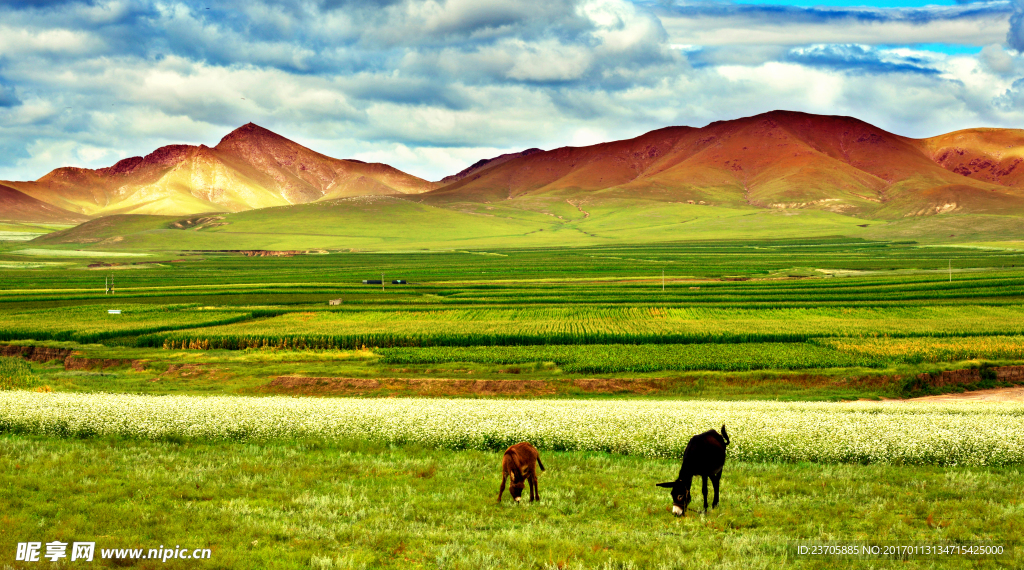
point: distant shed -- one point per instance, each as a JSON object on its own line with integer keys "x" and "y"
{"x": 399, "y": 282}
{"x": 334, "y": 302}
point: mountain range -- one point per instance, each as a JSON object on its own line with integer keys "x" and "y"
{"x": 250, "y": 168}
{"x": 774, "y": 161}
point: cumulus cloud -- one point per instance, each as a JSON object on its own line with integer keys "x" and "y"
{"x": 1015, "y": 37}
{"x": 998, "y": 60}
{"x": 432, "y": 86}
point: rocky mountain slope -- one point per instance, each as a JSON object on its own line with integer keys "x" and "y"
{"x": 780, "y": 160}
{"x": 18, "y": 207}
{"x": 777, "y": 160}
{"x": 250, "y": 168}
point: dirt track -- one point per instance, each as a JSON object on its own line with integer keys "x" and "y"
{"x": 1014, "y": 394}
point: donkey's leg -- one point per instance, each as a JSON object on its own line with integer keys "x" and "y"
{"x": 715, "y": 479}
{"x": 704, "y": 488}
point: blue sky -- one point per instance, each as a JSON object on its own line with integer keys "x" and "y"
{"x": 431, "y": 86}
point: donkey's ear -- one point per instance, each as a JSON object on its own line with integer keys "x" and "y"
{"x": 668, "y": 485}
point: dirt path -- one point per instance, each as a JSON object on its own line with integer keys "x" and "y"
{"x": 579, "y": 206}
{"x": 1014, "y": 394}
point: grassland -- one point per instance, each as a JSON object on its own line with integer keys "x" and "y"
{"x": 381, "y": 223}
{"x": 598, "y": 311}
{"x": 736, "y": 321}
{"x": 358, "y": 505}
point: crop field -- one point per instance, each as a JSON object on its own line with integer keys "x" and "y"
{"x": 591, "y": 325}
{"x": 185, "y": 419}
{"x": 869, "y": 352}
{"x": 15, "y": 374}
{"x": 937, "y": 434}
{"x": 848, "y": 261}
{"x": 916, "y": 350}
{"x": 606, "y": 358}
{"x": 598, "y": 310}
{"x": 90, "y": 323}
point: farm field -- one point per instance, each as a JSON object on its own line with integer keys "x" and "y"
{"x": 91, "y": 323}
{"x": 842, "y": 318}
{"x": 359, "y": 505}
{"x": 590, "y": 325}
{"x": 930, "y": 434}
{"x": 229, "y": 406}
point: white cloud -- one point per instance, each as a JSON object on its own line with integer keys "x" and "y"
{"x": 588, "y": 136}
{"x": 548, "y": 61}
{"x": 752, "y": 27}
{"x": 431, "y": 86}
{"x": 18, "y": 41}
{"x": 999, "y": 60}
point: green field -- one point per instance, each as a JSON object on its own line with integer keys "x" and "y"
{"x": 358, "y": 505}
{"x": 90, "y": 323}
{"x": 851, "y": 317}
{"x": 230, "y": 407}
{"x": 590, "y": 325}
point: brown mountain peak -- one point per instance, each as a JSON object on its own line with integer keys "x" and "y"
{"x": 485, "y": 163}
{"x": 163, "y": 157}
{"x": 251, "y": 167}
{"x": 250, "y": 133}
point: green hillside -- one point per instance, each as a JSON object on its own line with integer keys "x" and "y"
{"x": 384, "y": 223}
{"x": 388, "y": 223}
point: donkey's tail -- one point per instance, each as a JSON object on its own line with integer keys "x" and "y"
{"x": 539, "y": 462}
{"x": 725, "y": 435}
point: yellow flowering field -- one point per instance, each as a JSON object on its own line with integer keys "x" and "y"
{"x": 917, "y": 350}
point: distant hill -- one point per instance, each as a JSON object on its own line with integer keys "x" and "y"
{"x": 485, "y": 163}
{"x": 772, "y": 175}
{"x": 250, "y": 168}
{"x": 777, "y": 160}
{"x": 18, "y": 207}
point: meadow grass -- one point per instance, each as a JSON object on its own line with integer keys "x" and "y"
{"x": 324, "y": 503}
{"x": 252, "y": 371}
{"x": 363, "y": 505}
{"x": 37, "y": 252}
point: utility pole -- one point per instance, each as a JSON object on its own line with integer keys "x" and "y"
{"x": 382, "y": 282}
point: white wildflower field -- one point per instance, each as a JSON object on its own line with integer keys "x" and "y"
{"x": 892, "y": 433}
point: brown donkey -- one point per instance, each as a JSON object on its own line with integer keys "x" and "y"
{"x": 518, "y": 462}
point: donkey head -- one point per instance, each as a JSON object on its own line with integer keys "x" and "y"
{"x": 680, "y": 496}
{"x": 518, "y": 483}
